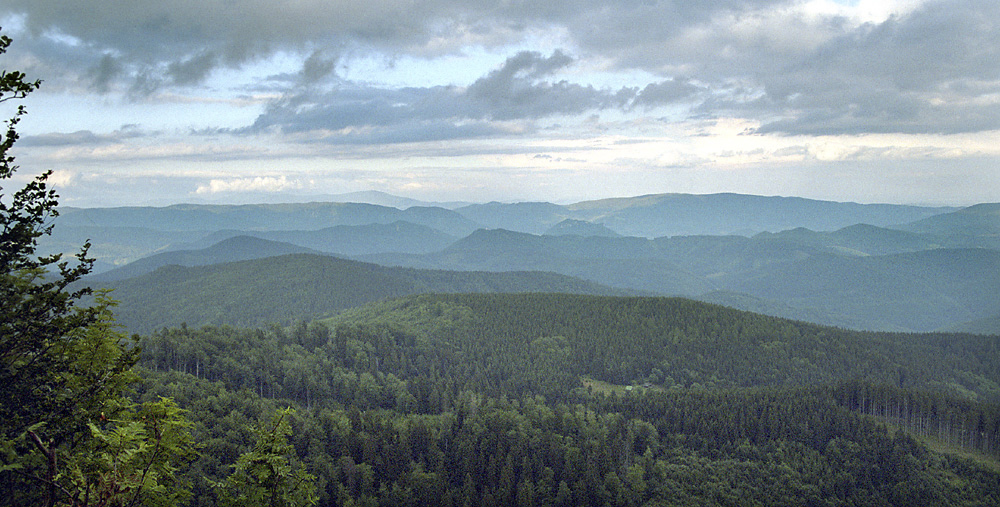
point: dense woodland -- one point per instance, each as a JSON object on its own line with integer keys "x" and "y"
{"x": 549, "y": 399}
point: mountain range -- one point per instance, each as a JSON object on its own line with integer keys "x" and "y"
{"x": 872, "y": 267}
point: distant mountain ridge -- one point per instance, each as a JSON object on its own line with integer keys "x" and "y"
{"x": 573, "y": 227}
{"x": 790, "y": 257}
{"x": 348, "y": 240}
{"x": 844, "y": 278}
{"x": 124, "y": 234}
{"x": 981, "y": 220}
{"x": 660, "y": 215}
{"x": 264, "y": 217}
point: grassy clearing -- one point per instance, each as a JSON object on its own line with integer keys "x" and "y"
{"x": 599, "y": 386}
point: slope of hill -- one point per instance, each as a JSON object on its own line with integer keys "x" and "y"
{"x": 347, "y": 240}
{"x": 236, "y": 248}
{"x": 919, "y": 291}
{"x": 981, "y": 219}
{"x": 112, "y": 246}
{"x": 988, "y": 326}
{"x": 571, "y": 227}
{"x": 632, "y": 263}
{"x": 860, "y": 239}
{"x": 295, "y": 287}
{"x": 745, "y": 302}
{"x": 672, "y": 341}
{"x": 530, "y": 217}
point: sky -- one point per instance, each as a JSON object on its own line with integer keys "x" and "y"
{"x": 153, "y": 102}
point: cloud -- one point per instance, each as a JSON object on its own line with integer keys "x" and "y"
{"x": 928, "y": 66}
{"x": 516, "y": 90}
{"x": 192, "y": 70}
{"x": 62, "y": 178}
{"x": 104, "y": 73}
{"x": 933, "y": 70}
{"x": 502, "y": 103}
{"x": 667, "y": 92}
{"x": 318, "y": 66}
{"x": 81, "y": 138}
{"x": 254, "y": 184}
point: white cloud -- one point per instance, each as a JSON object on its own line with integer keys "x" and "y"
{"x": 62, "y": 178}
{"x": 255, "y": 184}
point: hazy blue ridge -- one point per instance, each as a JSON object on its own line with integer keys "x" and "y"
{"x": 978, "y": 220}
{"x": 821, "y": 275}
{"x": 687, "y": 214}
{"x": 572, "y": 227}
{"x": 346, "y": 240}
{"x": 236, "y": 248}
{"x": 264, "y": 217}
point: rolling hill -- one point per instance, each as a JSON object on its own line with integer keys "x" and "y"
{"x": 349, "y": 240}
{"x": 297, "y": 287}
{"x": 236, "y": 248}
{"x": 838, "y": 278}
{"x": 624, "y": 340}
{"x": 979, "y": 220}
{"x": 542, "y": 399}
{"x": 988, "y": 325}
{"x": 833, "y": 263}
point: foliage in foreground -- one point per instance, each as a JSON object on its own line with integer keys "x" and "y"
{"x": 70, "y": 434}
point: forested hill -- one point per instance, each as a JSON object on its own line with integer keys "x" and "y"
{"x": 573, "y": 400}
{"x": 860, "y": 277}
{"x": 285, "y": 288}
{"x": 542, "y": 343}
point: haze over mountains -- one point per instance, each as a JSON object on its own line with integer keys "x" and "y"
{"x": 875, "y": 267}
{"x": 413, "y": 341}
